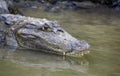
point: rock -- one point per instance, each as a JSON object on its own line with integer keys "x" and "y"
{"x": 28, "y": 4}
{"x": 116, "y": 4}
{"x": 41, "y": 1}
{"x": 51, "y": 8}
{"x": 71, "y": 5}
{"x": 85, "y": 4}
{"x": 66, "y": 5}
{"x": 34, "y": 7}
{"x": 3, "y": 11}
{"x": 2, "y": 18}
{"x": 74, "y": 5}
{"x": 3, "y": 7}
{"x": 2, "y": 37}
{"x": 16, "y": 1}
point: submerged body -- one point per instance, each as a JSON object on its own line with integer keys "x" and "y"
{"x": 35, "y": 33}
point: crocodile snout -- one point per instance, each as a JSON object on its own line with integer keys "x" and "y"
{"x": 79, "y": 48}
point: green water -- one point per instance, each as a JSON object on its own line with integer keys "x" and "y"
{"x": 99, "y": 27}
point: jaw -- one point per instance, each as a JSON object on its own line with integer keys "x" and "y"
{"x": 80, "y": 49}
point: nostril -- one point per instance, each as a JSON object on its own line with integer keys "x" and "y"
{"x": 59, "y": 30}
{"x": 65, "y": 39}
{"x": 84, "y": 44}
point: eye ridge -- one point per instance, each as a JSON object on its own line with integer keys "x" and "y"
{"x": 30, "y": 26}
{"x": 46, "y": 29}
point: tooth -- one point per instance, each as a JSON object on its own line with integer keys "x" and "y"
{"x": 64, "y": 53}
{"x": 43, "y": 28}
{"x": 82, "y": 53}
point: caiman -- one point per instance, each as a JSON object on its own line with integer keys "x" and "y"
{"x": 41, "y": 34}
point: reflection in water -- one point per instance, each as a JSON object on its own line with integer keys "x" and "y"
{"x": 38, "y": 59}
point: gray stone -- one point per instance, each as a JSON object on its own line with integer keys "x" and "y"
{"x": 3, "y": 7}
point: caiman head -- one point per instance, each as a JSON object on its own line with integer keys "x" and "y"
{"x": 44, "y": 35}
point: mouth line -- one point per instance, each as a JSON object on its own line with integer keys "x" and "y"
{"x": 77, "y": 53}
{"x": 55, "y": 50}
{"x": 74, "y": 53}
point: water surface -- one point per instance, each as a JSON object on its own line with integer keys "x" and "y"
{"x": 100, "y": 27}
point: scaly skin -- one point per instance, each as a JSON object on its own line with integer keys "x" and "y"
{"x": 35, "y": 33}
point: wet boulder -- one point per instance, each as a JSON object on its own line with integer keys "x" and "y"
{"x": 66, "y": 5}
{"x": 75, "y": 5}
{"x": 3, "y": 7}
{"x": 2, "y": 38}
{"x": 70, "y": 5}
{"x": 85, "y": 4}
{"x": 116, "y": 4}
{"x": 51, "y": 8}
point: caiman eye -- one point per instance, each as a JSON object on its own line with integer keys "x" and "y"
{"x": 45, "y": 28}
